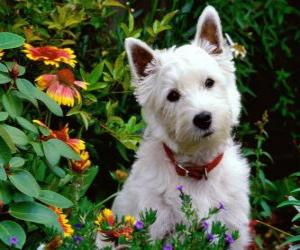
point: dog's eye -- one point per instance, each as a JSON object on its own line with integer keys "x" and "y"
{"x": 209, "y": 83}
{"x": 173, "y": 95}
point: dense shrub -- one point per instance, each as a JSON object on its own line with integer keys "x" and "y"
{"x": 45, "y": 167}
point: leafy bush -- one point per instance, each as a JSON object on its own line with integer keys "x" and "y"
{"x": 41, "y": 168}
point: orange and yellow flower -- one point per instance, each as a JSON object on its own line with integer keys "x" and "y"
{"x": 83, "y": 164}
{"x": 106, "y": 215}
{"x": 63, "y": 135}
{"x": 63, "y": 221}
{"x": 1, "y": 53}
{"x": 114, "y": 229}
{"x": 61, "y": 87}
{"x": 50, "y": 55}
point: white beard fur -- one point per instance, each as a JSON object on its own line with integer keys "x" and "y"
{"x": 153, "y": 180}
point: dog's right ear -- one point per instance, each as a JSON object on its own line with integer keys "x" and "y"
{"x": 139, "y": 56}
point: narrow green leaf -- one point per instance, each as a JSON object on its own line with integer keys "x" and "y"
{"x": 25, "y": 183}
{"x": 54, "y": 199}
{"x": 289, "y": 203}
{"x": 10, "y": 229}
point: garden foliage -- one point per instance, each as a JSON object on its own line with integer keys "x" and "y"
{"x": 66, "y": 107}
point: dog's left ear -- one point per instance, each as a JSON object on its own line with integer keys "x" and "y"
{"x": 209, "y": 29}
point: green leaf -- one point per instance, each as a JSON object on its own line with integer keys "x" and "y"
{"x": 10, "y": 40}
{"x": 5, "y": 192}
{"x": 4, "y": 78}
{"x": 50, "y": 104}
{"x": 37, "y": 147}
{"x": 16, "y": 162}
{"x": 12, "y": 105}
{"x": 27, "y": 125}
{"x": 17, "y": 135}
{"x": 3, "y": 175}
{"x": 50, "y": 152}
{"x": 10, "y": 229}
{"x": 54, "y": 199}
{"x": 25, "y": 182}
{"x": 29, "y": 89}
{"x": 32, "y": 211}
{"x": 88, "y": 178}
{"x": 6, "y": 146}
{"x": 95, "y": 75}
{"x": 3, "y": 116}
{"x": 65, "y": 150}
{"x": 20, "y": 197}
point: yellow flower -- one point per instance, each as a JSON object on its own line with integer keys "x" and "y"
{"x": 50, "y": 55}
{"x": 83, "y": 164}
{"x": 1, "y": 53}
{"x": 130, "y": 220}
{"x": 61, "y": 87}
{"x": 63, "y": 221}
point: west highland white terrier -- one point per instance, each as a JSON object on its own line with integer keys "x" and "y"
{"x": 190, "y": 103}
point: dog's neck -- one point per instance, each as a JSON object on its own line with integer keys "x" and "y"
{"x": 199, "y": 153}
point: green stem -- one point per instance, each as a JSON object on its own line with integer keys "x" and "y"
{"x": 107, "y": 199}
{"x": 274, "y": 228}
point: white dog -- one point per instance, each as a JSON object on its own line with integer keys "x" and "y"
{"x": 190, "y": 103}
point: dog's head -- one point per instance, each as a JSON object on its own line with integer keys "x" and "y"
{"x": 188, "y": 93}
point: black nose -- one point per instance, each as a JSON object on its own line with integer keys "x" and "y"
{"x": 202, "y": 120}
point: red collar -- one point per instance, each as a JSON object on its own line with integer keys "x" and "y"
{"x": 193, "y": 170}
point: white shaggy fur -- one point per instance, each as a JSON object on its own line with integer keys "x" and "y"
{"x": 153, "y": 180}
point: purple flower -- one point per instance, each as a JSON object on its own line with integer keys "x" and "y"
{"x": 78, "y": 226}
{"x": 77, "y": 239}
{"x": 168, "y": 246}
{"x": 139, "y": 225}
{"x": 179, "y": 188}
{"x": 228, "y": 238}
{"x": 13, "y": 241}
{"x": 210, "y": 237}
{"x": 205, "y": 225}
{"x": 221, "y": 206}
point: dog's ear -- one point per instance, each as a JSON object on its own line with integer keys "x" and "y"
{"x": 209, "y": 30}
{"x": 139, "y": 56}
